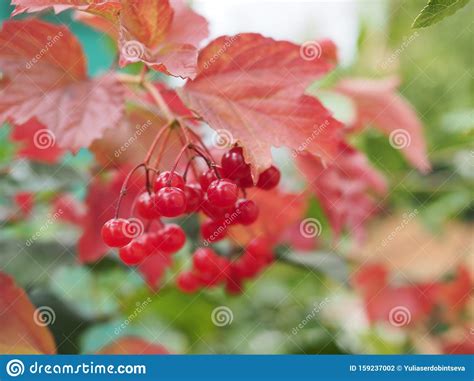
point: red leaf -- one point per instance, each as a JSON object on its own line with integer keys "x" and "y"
{"x": 19, "y": 334}
{"x": 343, "y": 188}
{"x": 25, "y": 202}
{"x": 100, "y": 202}
{"x": 164, "y": 37}
{"x": 252, "y": 88}
{"x": 378, "y": 103}
{"x": 106, "y": 8}
{"x": 37, "y": 142}
{"x": 45, "y": 77}
{"x": 68, "y": 209}
{"x": 133, "y": 346}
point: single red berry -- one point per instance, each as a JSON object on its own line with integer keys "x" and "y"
{"x": 205, "y": 260}
{"x": 222, "y": 193}
{"x": 171, "y": 202}
{"x": 213, "y": 211}
{"x": 188, "y": 282}
{"x": 133, "y": 253}
{"x": 169, "y": 239}
{"x": 114, "y": 232}
{"x": 234, "y": 165}
{"x": 245, "y": 181}
{"x": 247, "y": 211}
{"x": 168, "y": 179}
{"x": 147, "y": 205}
{"x": 269, "y": 178}
{"x": 209, "y": 176}
{"x": 194, "y": 196}
{"x": 261, "y": 249}
{"x": 213, "y": 231}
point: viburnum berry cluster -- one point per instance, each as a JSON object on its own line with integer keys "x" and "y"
{"x": 217, "y": 193}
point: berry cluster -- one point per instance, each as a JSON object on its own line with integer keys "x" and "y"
{"x": 210, "y": 269}
{"x": 218, "y": 193}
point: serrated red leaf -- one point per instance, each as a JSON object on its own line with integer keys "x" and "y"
{"x": 344, "y": 188}
{"x": 106, "y": 8}
{"x": 252, "y": 88}
{"x": 162, "y": 35}
{"x": 378, "y": 103}
{"x": 19, "y": 334}
{"x": 29, "y": 136}
{"x": 45, "y": 78}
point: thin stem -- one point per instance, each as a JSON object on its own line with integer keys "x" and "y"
{"x": 155, "y": 94}
{"x": 199, "y": 139}
{"x": 123, "y": 190}
{"x": 155, "y": 142}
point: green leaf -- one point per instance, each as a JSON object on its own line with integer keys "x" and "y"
{"x": 436, "y": 10}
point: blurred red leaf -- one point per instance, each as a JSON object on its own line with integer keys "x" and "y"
{"x": 25, "y": 201}
{"x": 19, "y": 334}
{"x": 133, "y": 346}
{"x": 36, "y": 142}
{"x": 45, "y": 78}
{"x": 344, "y": 188}
{"x": 153, "y": 268}
{"x": 377, "y": 102}
{"x": 251, "y": 87}
{"x": 68, "y": 209}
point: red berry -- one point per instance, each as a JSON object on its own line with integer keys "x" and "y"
{"x": 188, "y": 282}
{"x": 169, "y": 239}
{"x": 261, "y": 249}
{"x": 147, "y": 205}
{"x": 209, "y": 176}
{"x": 168, "y": 179}
{"x": 269, "y": 178}
{"x": 234, "y": 165}
{"x": 213, "y": 231}
{"x": 205, "y": 260}
{"x": 245, "y": 181}
{"x": 133, "y": 253}
{"x": 194, "y": 196}
{"x": 171, "y": 202}
{"x": 115, "y": 232}
{"x": 222, "y": 193}
{"x": 213, "y": 211}
{"x": 247, "y": 211}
